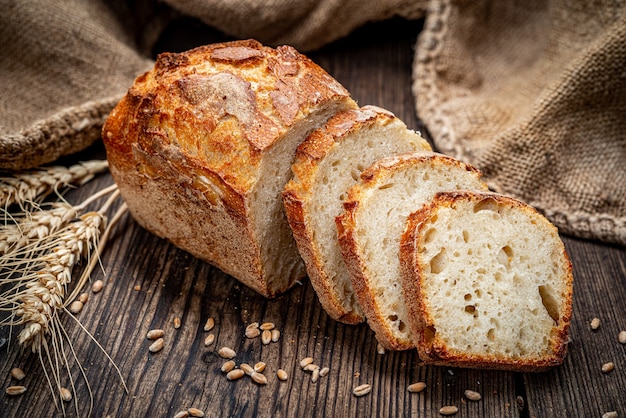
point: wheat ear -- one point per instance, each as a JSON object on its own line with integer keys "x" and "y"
{"x": 36, "y": 225}
{"x": 28, "y": 187}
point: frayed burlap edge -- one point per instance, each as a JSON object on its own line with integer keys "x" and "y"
{"x": 604, "y": 227}
{"x": 64, "y": 133}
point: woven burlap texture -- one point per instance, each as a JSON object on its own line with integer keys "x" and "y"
{"x": 533, "y": 93}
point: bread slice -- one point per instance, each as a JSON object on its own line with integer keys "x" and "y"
{"x": 370, "y": 227}
{"x": 327, "y": 164}
{"x": 487, "y": 283}
{"x": 201, "y": 148}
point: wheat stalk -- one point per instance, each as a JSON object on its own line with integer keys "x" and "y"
{"x": 39, "y": 249}
{"x": 29, "y": 187}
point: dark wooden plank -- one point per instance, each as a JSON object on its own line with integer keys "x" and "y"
{"x": 374, "y": 64}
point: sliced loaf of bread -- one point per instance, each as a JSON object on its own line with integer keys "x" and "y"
{"x": 327, "y": 164}
{"x": 371, "y": 225}
{"x": 487, "y": 283}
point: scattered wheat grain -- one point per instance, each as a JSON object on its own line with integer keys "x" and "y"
{"x": 416, "y": 387}
{"x": 181, "y": 414}
{"x": 226, "y": 352}
{"x": 362, "y": 390}
{"x": 259, "y": 378}
{"x": 66, "y": 395}
{"x": 316, "y": 375}
{"x": 252, "y": 332}
{"x": 324, "y": 371}
{"x": 235, "y": 374}
{"x": 448, "y": 410}
{"x": 17, "y": 373}
{"x": 472, "y": 395}
{"x": 622, "y": 337}
{"x": 154, "y": 334}
{"x": 259, "y": 367}
{"x": 282, "y": 375}
{"x": 266, "y": 337}
{"x": 306, "y": 361}
{"x": 15, "y": 390}
{"x": 97, "y": 286}
{"x": 267, "y": 326}
{"x": 83, "y": 298}
{"x": 310, "y": 367}
{"x": 76, "y": 307}
{"x": 247, "y": 369}
{"x": 595, "y": 323}
{"x": 210, "y": 323}
{"x": 137, "y": 288}
{"x": 275, "y": 335}
{"x": 195, "y": 412}
{"x": 157, "y": 346}
{"x": 612, "y": 414}
{"x": 209, "y": 339}
{"x": 177, "y": 323}
{"x": 228, "y": 366}
{"x": 608, "y": 367}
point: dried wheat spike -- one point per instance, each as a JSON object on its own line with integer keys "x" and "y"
{"x": 30, "y": 186}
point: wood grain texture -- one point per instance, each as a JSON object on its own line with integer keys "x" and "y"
{"x": 374, "y": 64}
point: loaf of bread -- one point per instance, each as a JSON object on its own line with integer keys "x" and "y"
{"x": 327, "y": 164}
{"x": 370, "y": 227}
{"x": 487, "y": 283}
{"x": 202, "y": 145}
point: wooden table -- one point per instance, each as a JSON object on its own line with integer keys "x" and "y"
{"x": 375, "y": 65}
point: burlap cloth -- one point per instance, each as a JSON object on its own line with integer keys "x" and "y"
{"x": 531, "y": 92}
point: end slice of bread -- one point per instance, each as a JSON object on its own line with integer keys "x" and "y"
{"x": 371, "y": 225}
{"x": 327, "y": 164}
{"x": 487, "y": 283}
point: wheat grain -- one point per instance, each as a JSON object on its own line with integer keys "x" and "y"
{"x": 66, "y": 395}
{"x": 259, "y": 378}
{"x": 235, "y": 374}
{"x": 195, "y": 412}
{"x": 210, "y": 323}
{"x": 472, "y": 395}
{"x": 448, "y": 410}
{"x": 416, "y": 387}
{"x": 362, "y": 390}
{"x": 226, "y": 352}
{"x": 17, "y": 373}
{"x": 154, "y": 334}
{"x": 157, "y": 345}
{"x": 97, "y": 286}
{"x": 15, "y": 390}
{"x": 247, "y": 369}
{"x": 228, "y": 366}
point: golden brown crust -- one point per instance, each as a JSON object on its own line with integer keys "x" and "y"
{"x": 317, "y": 145}
{"x": 187, "y": 142}
{"x": 431, "y": 349}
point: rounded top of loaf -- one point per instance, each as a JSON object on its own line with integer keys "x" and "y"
{"x": 216, "y": 109}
